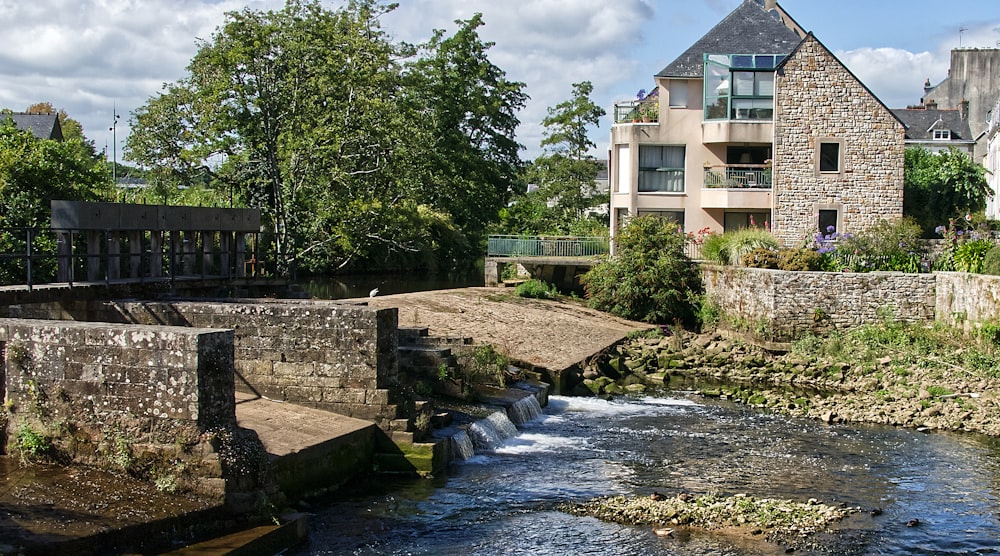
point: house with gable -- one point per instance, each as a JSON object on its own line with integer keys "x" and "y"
{"x": 42, "y": 126}
{"x": 758, "y": 123}
{"x": 935, "y": 129}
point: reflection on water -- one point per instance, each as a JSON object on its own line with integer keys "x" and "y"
{"x": 349, "y": 286}
{"x": 503, "y": 502}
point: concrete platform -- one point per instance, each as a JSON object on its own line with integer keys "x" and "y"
{"x": 311, "y": 450}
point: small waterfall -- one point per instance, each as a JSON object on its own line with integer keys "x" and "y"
{"x": 489, "y": 433}
{"x": 524, "y": 410}
{"x": 462, "y": 445}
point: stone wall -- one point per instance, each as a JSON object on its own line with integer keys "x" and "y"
{"x": 333, "y": 356}
{"x": 966, "y": 299}
{"x": 818, "y": 99}
{"x": 779, "y": 306}
{"x": 144, "y": 400}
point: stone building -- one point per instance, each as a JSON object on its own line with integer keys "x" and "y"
{"x": 973, "y": 78}
{"x": 757, "y": 124}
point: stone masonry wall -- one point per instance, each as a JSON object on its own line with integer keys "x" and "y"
{"x": 128, "y": 398}
{"x": 816, "y": 98}
{"x": 781, "y": 306}
{"x": 966, "y": 299}
{"x": 332, "y": 356}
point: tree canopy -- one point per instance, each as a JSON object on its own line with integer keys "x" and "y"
{"x": 33, "y": 172}
{"x": 357, "y": 151}
{"x": 564, "y": 175}
{"x": 941, "y": 186}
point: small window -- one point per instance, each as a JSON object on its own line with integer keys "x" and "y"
{"x": 827, "y": 222}
{"x": 942, "y": 134}
{"x": 678, "y": 93}
{"x": 829, "y": 157}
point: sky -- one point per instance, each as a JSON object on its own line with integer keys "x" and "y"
{"x": 98, "y": 58}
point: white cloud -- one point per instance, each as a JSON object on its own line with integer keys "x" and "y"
{"x": 896, "y": 76}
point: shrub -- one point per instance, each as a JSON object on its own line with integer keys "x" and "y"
{"x": 799, "y": 259}
{"x": 536, "y": 289}
{"x": 760, "y": 257}
{"x": 31, "y": 444}
{"x": 970, "y": 256}
{"x": 711, "y": 249}
{"x": 649, "y": 279}
{"x": 991, "y": 262}
{"x": 888, "y": 245}
{"x": 741, "y": 242}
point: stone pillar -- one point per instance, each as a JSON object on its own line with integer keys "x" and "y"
{"x": 64, "y": 251}
{"x": 190, "y": 246}
{"x": 241, "y": 255}
{"x": 225, "y": 253}
{"x": 94, "y": 256}
{"x": 114, "y": 255}
{"x": 155, "y": 254}
{"x": 176, "y": 252}
{"x": 492, "y": 270}
{"x": 135, "y": 240}
{"x": 207, "y": 250}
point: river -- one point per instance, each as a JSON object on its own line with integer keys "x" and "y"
{"x": 346, "y": 286}
{"x": 503, "y": 501}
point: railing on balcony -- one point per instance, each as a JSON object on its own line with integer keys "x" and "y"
{"x": 738, "y": 176}
{"x": 545, "y": 246}
{"x": 637, "y": 111}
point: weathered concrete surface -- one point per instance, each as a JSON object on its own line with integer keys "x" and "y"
{"x": 550, "y": 335}
{"x": 308, "y": 448}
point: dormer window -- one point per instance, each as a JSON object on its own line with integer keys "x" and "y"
{"x": 942, "y": 135}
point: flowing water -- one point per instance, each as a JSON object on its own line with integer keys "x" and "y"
{"x": 503, "y": 499}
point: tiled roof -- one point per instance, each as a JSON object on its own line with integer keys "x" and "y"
{"x": 42, "y": 126}
{"x": 920, "y": 123}
{"x": 749, "y": 29}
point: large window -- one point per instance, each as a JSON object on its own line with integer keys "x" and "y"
{"x": 661, "y": 169}
{"x": 740, "y": 86}
{"x": 742, "y": 220}
{"x": 675, "y": 216}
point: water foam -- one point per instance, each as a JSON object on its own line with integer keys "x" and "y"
{"x": 524, "y": 410}
{"x": 490, "y": 433}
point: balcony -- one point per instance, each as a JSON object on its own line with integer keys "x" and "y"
{"x": 637, "y": 111}
{"x": 737, "y": 186}
{"x": 738, "y": 176}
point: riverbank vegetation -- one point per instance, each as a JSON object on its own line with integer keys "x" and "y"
{"x": 892, "y": 373}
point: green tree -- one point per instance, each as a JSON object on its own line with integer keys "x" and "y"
{"x": 567, "y": 172}
{"x": 468, "y": 111}
{"x": 317, "y": 122}
{"x": 33, "y": 172}
{"x": 71, "y": 129}
{"x": 942, "y": 186}
{"x": 300, "y": 105}
{"x": 649, "y": 278}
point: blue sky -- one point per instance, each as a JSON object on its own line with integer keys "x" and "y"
{"x": 88, "y": 56}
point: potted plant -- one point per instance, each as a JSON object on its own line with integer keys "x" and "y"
{"x": 650, "y": 111}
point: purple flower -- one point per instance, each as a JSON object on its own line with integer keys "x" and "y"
{"x": 641, "y": 94}
{"x": 831, "y": 229}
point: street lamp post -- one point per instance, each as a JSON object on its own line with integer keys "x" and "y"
{"x": 114, "y": 150}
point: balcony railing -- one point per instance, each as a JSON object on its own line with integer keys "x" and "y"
{"x": 637, "y": 111}
{"x": 738, "y": 176}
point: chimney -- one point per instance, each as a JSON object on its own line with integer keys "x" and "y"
{"x": 963, "y": 109}
{"x": 927, "y": 86}
{"x": 770, "y": 4}
{"x": 931, "y": 104}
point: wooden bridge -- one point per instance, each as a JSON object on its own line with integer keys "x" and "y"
{"x": 110, "y": 250}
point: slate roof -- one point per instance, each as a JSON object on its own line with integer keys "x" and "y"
{"x": 749, "y": 29}
{"x": 42, "y": 126}
{"x": 921, "y": 122}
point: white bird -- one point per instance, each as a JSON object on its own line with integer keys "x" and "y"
{"x": 373, "y": 293}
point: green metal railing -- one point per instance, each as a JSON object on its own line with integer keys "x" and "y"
{"x": 546, "y": 246}
{"x": 738, "y": 176}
